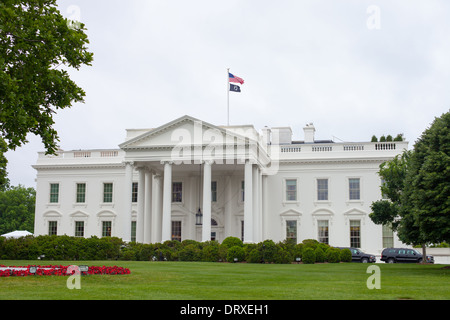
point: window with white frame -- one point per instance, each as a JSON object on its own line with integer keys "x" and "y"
{"x": 322, "y": 189}
{"x": 79, "y": 228}
{"x": 388, "y": 236}
{"x": 355, "y": 233}
{"x": 106, "y": 228}
{"x": 54, "y": 192}
{"x": 176, "y": 230}
{"x": 291, "y": 189}
{"x": 81, "y": 193}
{"x": 107, "y": 192}
{"x": 177, "y": 192}
{"x": 323, "y": 231}
{"x": 354, "y": 185}
{"x": 213, "y": 191}
{"x": 52, "y": 228}
{"x": 134, "y": 192}
{"x": 291, "y": 230}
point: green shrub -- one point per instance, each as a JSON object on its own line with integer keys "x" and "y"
{"x": 235, "y": 252}
{"x": 254, "y": 256}
{"x": 333, "y": 255}
{"x": 308, "y": 256}
{"x": 268, "y": 250}
{"x": 345, "y": 255}
{"x": 283, "y": 256}
{"x": 210, "y": 251}
{"x": 190, "y": 252}
{"x": 231, "y": 242}
{"x": 320, "y": 254}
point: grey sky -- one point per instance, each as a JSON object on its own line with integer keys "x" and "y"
{"x": 302, "y": 61}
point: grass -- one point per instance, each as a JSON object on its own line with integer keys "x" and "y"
{"x": 241, "y": 281}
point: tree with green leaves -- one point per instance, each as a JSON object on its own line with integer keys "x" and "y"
{"x": 17, "y": 206}
{"x": 426, "y": 196}
{"x": 36, "y": 43}
{"x": 416, "y": 185}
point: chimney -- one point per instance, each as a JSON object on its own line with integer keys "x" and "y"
{"x": 309, "y": 133}
{"x": 266, "y": 132}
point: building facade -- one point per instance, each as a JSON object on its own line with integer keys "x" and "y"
{"x": 189, "y": 179}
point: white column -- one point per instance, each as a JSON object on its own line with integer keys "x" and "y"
{"x": 141, "y": 205}
{"x": 206, "y": 228}
{"x": 248, "y": 203}
{"x": 148, "y": 206}
{"x": 265, "y": 209}
{"x": 167, "y": 203}
{"x": 228, "y": 208}
{"x": 157, "y": 208}
{"x": 256, "y": 217}
{"x": 126, "y": 220}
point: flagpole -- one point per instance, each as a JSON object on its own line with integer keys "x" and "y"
{"x": 228, "y": 96}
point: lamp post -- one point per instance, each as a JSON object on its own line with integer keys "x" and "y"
{"x": 199, "y": 217}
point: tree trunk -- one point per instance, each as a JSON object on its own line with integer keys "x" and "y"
{"x": 424, "y": 254}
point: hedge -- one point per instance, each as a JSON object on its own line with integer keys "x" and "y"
{"x": 112, "y": 248}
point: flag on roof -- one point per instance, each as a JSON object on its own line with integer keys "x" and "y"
{"x": 233, "y": 78}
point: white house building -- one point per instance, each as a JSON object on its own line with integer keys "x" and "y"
{"x": 189, "y": 179}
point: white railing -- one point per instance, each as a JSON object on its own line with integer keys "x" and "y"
{"x": 340, "y": 147}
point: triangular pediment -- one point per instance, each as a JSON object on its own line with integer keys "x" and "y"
{"x": 184, "y": 131}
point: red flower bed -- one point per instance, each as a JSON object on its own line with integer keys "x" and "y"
{"x": 58, "y": 270}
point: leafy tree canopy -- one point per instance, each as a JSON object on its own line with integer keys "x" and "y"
{"x": 36, "y": 41}
{"x": 17, "y": 206}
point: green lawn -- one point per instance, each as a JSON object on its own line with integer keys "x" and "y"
{"x": 228, "y": 281}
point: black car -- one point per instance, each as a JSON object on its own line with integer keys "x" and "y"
{"x": 359, "y": 256}
{"x": 393, "y": 255}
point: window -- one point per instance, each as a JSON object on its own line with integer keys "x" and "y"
{"x": 52, "y": 228}
{"x": 134, "y": 192}
{"x": 54, "y": 192}
{"x": 242, "y": 230}
{"x": 176, "y": 230}
{"x": 81, "y": 193}
{"x": 177, "y": 192}
{"x": 322, "y": 189}
{"x": 106, "y": 228}
{"x": 388, "y": 236}
{"x": 291, "y": 230}
{"x": 291, "y": 190}
{"x": 133, "y": 231}
{"x": 107, "y": 192}
{"x": 79, "y": 228}
{"x": 214, "y": 191}
{"x": 354, "y": 188}
{"x": 242, "y": 191}
{"x": 323, "y": 231}
{"x": 355, "y": 233}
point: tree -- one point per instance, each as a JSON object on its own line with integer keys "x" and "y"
{"x": 36, "y": 41}
{"x": 417, "y": 187}
{"x": 17, "y": 209}
{"x": 427, "y": 186}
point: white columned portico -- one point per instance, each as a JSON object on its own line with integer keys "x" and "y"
{"x": 206, "y": 229}
{"x": 140, "y": 206}
{"x": 126, "y": 221}
{"x": 248, "y": 202}
{"x": 167, "y": 202}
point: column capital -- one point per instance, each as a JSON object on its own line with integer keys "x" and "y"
{"x": 166, "y": 162}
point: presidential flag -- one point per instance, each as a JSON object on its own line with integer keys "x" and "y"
{"x": 233, "y": 78}
{"x": 235, "y": 88}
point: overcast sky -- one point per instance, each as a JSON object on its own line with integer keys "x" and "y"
{"x": 353, "y": 68}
